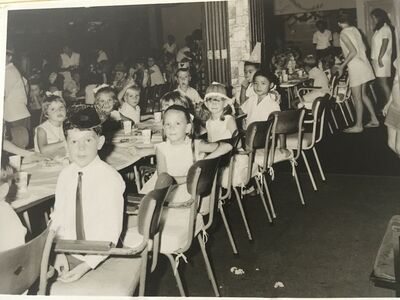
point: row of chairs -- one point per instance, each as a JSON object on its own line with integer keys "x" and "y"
{"x": 120, "y": 275}
{"x": 286, "y": 128}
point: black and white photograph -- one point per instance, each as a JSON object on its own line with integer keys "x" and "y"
{"x": 183, "y": 148}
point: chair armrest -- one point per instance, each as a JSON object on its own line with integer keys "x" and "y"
{"x": 135, "y": 199}
{"x": 93, "y": 247}
{"x": 243, "y": 152}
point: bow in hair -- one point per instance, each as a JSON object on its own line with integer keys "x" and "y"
{"x": 55, "y": 93}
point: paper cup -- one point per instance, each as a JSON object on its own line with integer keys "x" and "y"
{"x": 285, "y": 77}
{"x": 21, "y": 181}
{"x": 146, "y": 134}
{"x": 127, "y": 127}
{"x": 157, "y": 117}
{"x": 15, "y": 162}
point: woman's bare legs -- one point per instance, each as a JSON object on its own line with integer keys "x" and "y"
{"x": 394, "y": 140}
{"x": 358, "y": 105}
{"x": 368, "y": 103}
{"x": 383, "y": 83}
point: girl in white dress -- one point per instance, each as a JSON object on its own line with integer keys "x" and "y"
{"x": 360, "y": 72}
{"x": 221, "y": 124}
{"x": 49, "y": 136}
{"x": 381, "y": 50}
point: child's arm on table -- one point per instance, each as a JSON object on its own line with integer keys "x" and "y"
{"x": 46, "y": 148}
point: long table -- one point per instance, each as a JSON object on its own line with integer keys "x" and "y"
{"x": 120, "y": 151}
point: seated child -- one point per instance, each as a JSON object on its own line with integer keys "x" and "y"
{"x": 120, "y": 77}
{"x": 221, "y": 124}
{"x": 129, "y": 98}
{"x": 49, "y": 136}
{"x": 105, "y": 103}
{"x": 154, "y": 73}
{"x": 175, "y": 97}
{"x": 265, "y": 101}
{"x": 320, "y": 82}
{"x": 180, "y": 146}
{"x": 12, "y": 232}
{"x": 36, "y": 98}
{"x": 246, "y": 88}
{"x": 95, "y": 211}
{"x": 183, "y": 79}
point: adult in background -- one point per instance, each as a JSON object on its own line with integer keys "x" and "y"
{"x": 169, "y": 48}
{"x": 381, "y": 50}
{"x": 360, "y": 72}
{"x": 322, "y": 39}
{"x": 68, "y": 61}
{"x": 16, "y": 113}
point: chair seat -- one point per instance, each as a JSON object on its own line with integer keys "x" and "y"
{"x": 117, "y": 276}
{"x": 291, "y": 141}
{"x": 280, "y": 155}
{"x": 384, "y": 262}
{"x": 132, "y": 238}
{"x": 174, "y": 229}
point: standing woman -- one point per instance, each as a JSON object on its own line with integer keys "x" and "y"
{"x": 360, "y": 72}
{"x": 381, "y": 50}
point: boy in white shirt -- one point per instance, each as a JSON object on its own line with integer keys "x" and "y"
{"x": 183, "y": 79}
{"x": 322, "y": 39}
{"x": 95, "y": 211}
{"x": 259, "y": 106}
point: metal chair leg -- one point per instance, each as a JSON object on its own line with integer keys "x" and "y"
{"x": 310, "y": 174}
{"x": 208, "y": 265}
{"x": 343, "y": 114}
{"x": 349, "y": 110}
{"x": 176, "y": 274}
{"x": 271, "y": 205}
{"x": 246, "y": 224}
{"x": 228, "y": 230}
{"x": 334, "y": 119}
{"x": 260, "y": 190}
{"x": 319, "y": 164}
{"x": 143, "y": 269}
{"x": 298, "y": 185}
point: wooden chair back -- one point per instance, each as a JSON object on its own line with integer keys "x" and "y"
{"x": 22, "y": 266}
{"x": 289, "y": 122}
{"x": 149, "y": 217}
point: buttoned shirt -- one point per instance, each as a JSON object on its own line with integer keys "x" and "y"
{"x": 259, "y": 111}
{"x": 102, "y": 203}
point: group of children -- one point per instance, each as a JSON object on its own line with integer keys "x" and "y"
{"x": 78, "y": 133}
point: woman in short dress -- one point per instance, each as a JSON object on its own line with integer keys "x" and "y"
{"x": 360, "y": 72}
{"x": 381, "y": 50}
{"x": 392, "y": 112}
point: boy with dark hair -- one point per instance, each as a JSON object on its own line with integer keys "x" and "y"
{"x": 89, "y": 201}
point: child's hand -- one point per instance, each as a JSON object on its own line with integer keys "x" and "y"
{"x": 245, "y": 83}
{"x": 61, "y": 264}
{"x": 75, "y": 273}
{"x": 385, "y": 109}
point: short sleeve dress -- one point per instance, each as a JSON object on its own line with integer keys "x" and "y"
{"x": 360, "y": 70}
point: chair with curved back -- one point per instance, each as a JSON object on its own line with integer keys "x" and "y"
{"x": 258, "y": 139}
{"x": 20, "y": 267}
{"x": 119, "y": 274}
{"x": 286, "y": 123}
{"x": 310, "y": 139}
{"x": 177, "y": 236}
{"x": 226, "y": 166}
